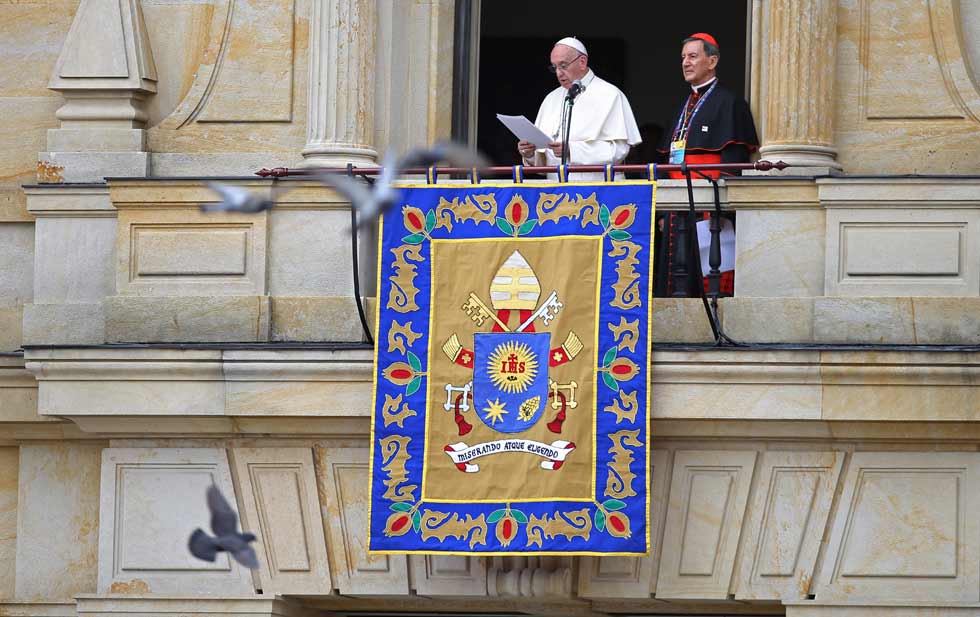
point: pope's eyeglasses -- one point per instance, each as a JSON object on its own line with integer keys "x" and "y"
{"x": 554, "y": 68}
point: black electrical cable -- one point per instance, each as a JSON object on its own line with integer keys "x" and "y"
{"x": 356, "y": 269}
{"x": 694, "y": 254}
{"x": 720, "y": 337}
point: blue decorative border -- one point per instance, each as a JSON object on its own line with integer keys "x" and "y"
{"x": 395, "y": 523}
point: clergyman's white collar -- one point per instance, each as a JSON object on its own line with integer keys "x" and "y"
{"x": 699, "y": 86}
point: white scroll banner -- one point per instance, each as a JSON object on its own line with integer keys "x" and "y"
{"x": 556, "y": 452}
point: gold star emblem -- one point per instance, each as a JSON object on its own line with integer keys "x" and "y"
{"x": 495, "y": 411}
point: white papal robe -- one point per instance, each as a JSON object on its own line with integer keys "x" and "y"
{"x": 603, "y": 127}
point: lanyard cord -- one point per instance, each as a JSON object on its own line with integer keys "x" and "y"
{"x": 684, "y": 120}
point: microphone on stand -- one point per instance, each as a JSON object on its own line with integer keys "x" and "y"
{"x": 574, "y": 90}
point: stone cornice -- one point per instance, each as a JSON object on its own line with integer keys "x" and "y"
{"x": 328, "y": 392}
{"x": 932, "y": 368}
{"x": 772, "y": 192}
{"x": 101, "y": 604}
{"x": 917, "y": 192}
{"x": 13, "y": 374}
{"x": 69, "y": 201}
{"x": 295, "y": 193}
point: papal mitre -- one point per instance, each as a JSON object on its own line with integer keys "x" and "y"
{"x": 515, "y": 286}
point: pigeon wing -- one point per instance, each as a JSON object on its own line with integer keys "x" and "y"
{"x": 279, "y": 189}
{"x": 457, "y": 155}
{"x": 202, "y": 546}
{"x": 224, "y": 521}
{"x": 353, "y": 190}
{"x": 246, "y": 557}
{"x": 390, "y": 168}
{"x": 234, "y": 195}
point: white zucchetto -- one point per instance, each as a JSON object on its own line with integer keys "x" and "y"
{"x": 574, "y": 43}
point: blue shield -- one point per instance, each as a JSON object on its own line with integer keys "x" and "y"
{"x": 510, "y": 379}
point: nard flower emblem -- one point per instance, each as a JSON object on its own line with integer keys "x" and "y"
{"x": 528, "y": 408}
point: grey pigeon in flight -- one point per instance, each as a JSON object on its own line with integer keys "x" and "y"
{"x": 372, "y": 202}
{"x": 237, "y": 199}
{"x": 224, "y": 525}
{"x": 369, "y": 201}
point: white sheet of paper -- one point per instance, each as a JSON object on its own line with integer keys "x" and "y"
{"x": 522, "y": 128}
{"x": 727, "y": 245}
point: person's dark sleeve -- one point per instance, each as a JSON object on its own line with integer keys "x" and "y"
{"x": 735, "y": 153}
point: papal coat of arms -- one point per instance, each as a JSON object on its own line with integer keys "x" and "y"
{"x": 512, "y": 384}
{"x": 510, "y": 389}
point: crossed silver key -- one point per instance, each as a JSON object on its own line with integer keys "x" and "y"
{"x": 547, "y": 311}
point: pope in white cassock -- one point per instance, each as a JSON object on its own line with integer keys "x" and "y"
{"x": 603, "y": 127}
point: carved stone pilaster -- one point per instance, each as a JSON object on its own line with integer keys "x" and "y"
{"x": 341, "y": 99}
{"x": 105, "y": 72}
{"x": 799, "y": 84}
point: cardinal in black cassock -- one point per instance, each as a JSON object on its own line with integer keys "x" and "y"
{"x": 712, "y": 125}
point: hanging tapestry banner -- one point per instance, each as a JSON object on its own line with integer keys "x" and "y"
{"x": 512, "y": 370}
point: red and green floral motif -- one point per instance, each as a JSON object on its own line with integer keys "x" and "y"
{"x": 418, "y": 223}
{"x": 615, "y": 223}
{"x": 514, "y": 222}
{"x": 608, "y": 518}
{"x": 508, "y": 523}
{"x": 615, "y": 369}
{"x": 405, "y": 517}
{"x": 402, "y": 374}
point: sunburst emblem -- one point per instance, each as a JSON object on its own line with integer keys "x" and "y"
{"x": 512, "y": 367}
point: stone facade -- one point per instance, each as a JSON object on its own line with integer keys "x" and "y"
{"x": 147, "y": 350}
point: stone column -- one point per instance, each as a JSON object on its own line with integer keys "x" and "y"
{"x": 799, "y": 80}
{"x": 105, "y": 72}
{"x": 341, "y": 103}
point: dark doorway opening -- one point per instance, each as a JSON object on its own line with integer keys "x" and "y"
{"x": 633, "y": 44}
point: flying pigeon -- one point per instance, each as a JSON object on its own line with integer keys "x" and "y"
{"x": 373, "y": 202}
{"x": 370, "y": 201}
{"x": 224, "y": 525}
{"x": 455, "y": 154}
{"x": 237, "y": 199}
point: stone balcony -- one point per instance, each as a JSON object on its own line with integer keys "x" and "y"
{"x": 162, "y": 343}
{"x": 839, "y": 260}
